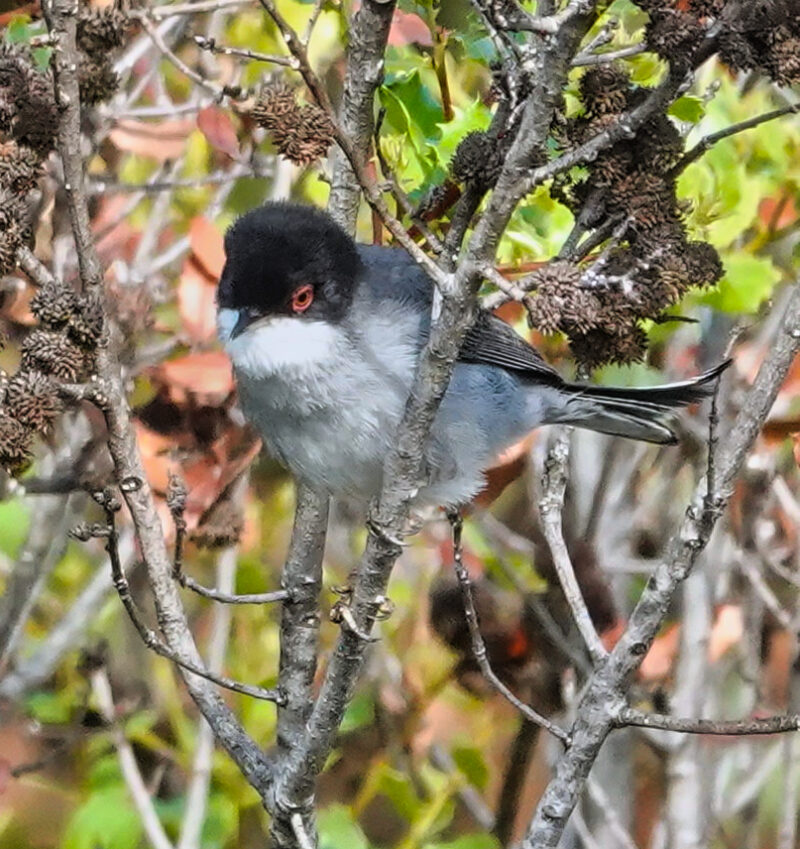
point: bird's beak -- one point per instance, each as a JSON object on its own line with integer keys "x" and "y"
{"x": 244, "y": 320}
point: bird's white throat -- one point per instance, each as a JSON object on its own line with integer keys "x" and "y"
{"x": 277, "y": 345}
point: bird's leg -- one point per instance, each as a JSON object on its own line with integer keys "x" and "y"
{"x": 456, "y": 526}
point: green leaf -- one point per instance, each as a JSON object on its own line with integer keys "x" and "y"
{"x": 13, "y": 526}
{"x": 747, "y": 283}
{"x": 50, "y": 708}
{"x": 222, "y": 821}
{"x": 338, "y": 830}
{"x": 471, "y": 762}
{"x": 360, "y": 712}
{"x": 399, "y": 790}
{"x": 688, "y": 108}
{"x": 467, "y": 841}
{"x": 107, "y": 820}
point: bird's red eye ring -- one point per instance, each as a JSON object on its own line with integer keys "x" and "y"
{"x": 302, "y": 298}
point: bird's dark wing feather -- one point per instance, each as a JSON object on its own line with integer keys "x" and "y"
{"x": 493, "y": 342}
{"x": 393, "y": 275}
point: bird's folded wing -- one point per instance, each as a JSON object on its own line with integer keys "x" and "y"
{"x": 493, "y": 342}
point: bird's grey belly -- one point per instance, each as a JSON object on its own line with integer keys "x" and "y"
{"x": 335, "y": 430}
{"x": 335, "y": 440}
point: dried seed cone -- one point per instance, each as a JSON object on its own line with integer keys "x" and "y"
{"x": 20, "y": 168}
{"x": 97, "y": 80}
{"x": 302, "y": 134}
{"x": 36, "y": 121}
{"x": 310, "y": 139}
{"x": 784, "y": 62}
{"x": 221, "y": 526}
{"x": 15, "y": 69}
{"x": 54, "y": 304}
{"x": 32, "y": 399}
{"x": 674, "y": 35}
{"x": 53, "y": 353}
{"x": 604, "y": 90}
{"x": 101, "y": 30}
{"x": 478, "y": 158}
{"x": 87, "y": 321}
{"x": 703, "y": 262}
{"x": 276, "y": 107}
{"x": 600, "y": 347}
{"x": 15, "y": 442}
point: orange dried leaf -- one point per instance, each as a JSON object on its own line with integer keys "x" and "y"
{"x": 161, "y": 140}
{"x": 777, "y": 212}
{"x": 206, "y": 373}
{"x": 408, "y": 28}
{"x": 727, "y": 631}
{"x": 657, "y": 663}
{"x": 196, "y": 303}
{"x": 207, "y": 246}
{"x": 216, "y": 125}
{"x": 154, "y": 448}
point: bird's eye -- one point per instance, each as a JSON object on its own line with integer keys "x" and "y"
{"x": 302, "y": 298}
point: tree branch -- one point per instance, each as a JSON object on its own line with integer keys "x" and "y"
{"x": 554, "y": 484}
{"x": 369, "y": 31}
{"x": 738, "y": 727}
{"x": 122, "y": 445}
{"x": 707, "y": 142}
{"x": 603, "y": 700}
{"x": 299, "y": 640}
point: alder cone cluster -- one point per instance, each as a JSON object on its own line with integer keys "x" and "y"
{"x": 601, "y": 306}
{"x": 301, "y": 133}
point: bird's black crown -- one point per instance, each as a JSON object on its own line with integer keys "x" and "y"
{"x": 276, "y": 248}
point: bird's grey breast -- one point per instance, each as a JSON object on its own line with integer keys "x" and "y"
{"x": 327, "y": 398}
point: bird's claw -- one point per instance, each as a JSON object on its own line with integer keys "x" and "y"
{"x": 343, "y": 615}
{"x": 382, "y": 533}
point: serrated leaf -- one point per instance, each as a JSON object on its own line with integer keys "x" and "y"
{"x": 688, "y": 108}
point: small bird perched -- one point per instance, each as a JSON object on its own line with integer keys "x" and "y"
{"x": 325, "y": 334}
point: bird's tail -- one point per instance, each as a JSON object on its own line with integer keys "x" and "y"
{"x": 636, "y": 413}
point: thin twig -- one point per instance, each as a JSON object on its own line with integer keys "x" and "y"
{"x": 200, "y": 781}
{"x": 149, "y": 637}
{"x": 479, "y": 647}
{"x": 158, "y": 13}
{"x": 583, "y": 59}
{"x": 231, "y": 598}
{"x": 727, "y": 728}
{"x": 219, "y": 91}
{"x": 211, "y": 46}
{"x": 707, "y": 142}
{"x": 142, "y": 800}
{"x": 554, "y": 484}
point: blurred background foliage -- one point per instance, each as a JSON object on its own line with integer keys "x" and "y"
{"x": 424, "y": 749}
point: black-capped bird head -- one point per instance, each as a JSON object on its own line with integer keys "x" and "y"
{"x": 286, "y": 260}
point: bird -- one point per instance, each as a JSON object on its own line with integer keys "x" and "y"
{"x": 324, "y": 336}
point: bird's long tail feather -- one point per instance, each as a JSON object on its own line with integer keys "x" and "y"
{"x": 642, "y": 413}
